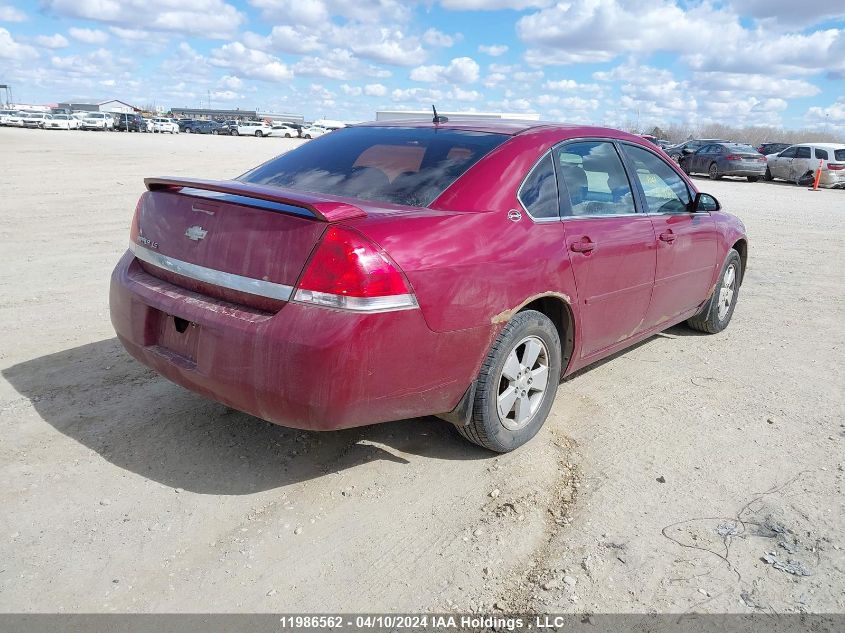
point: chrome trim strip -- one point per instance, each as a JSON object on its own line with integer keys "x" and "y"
{"x": 231, "y": 281}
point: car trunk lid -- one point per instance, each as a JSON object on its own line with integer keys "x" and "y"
{"x": 230, "y": 240}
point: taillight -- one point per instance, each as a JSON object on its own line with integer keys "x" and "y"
{"x": 835, "y": 166}
{"x": 733, "y": 157}
{"x": 349, "y": 272}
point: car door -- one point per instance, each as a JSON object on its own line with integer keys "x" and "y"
{"x": 611, "y": 243}
{"x": 782, "y": 163}
{"x": 801, "y": 163}
{"x": 685, "y": 241}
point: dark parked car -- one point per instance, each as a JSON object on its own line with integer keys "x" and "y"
{"x": 691, "y": 146}
{"x": 375, "y": 274}
{"x": 205, "y": 127}
{"x": 129, "y": 123}
{"x": 772, "y": 148}
{"x": 184, "y": 124}
{"x": 725, "y": 159}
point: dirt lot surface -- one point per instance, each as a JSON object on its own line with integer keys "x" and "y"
{"x": 661, "y": 481}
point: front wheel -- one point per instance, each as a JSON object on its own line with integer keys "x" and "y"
{"x": 258, "y": 133}
{"x": 753, "y": 178}
{"x": 713, "y": 172}
{"x": 717, "y": 312}
{"x": 517, "y": 384}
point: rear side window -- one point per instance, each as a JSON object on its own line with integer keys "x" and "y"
{"x": 538, "y": 193}
{"x": 839, "y": 154}
{"x": 665, "y": 191}
{"x": 410, "y": 166}
{"x": 822, "y": 154}
{"x": 802, "y": 152}
{"x": 594, "y": 179}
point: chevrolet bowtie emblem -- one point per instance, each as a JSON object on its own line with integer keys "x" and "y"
{"x": 195, "y": 233}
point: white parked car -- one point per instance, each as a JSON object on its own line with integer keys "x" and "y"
{"x": 36, "y": 119}
{"x": 149, "y": 122}
{"x": 795, "y": 161}
{"x": 251, "y": 128}
{"x": 97, "y": 121}
{"x": 62, "y": 122}
{"x": 280, "y": 129}
{"x": 5, "y": 115}
{"x": 163, "y": 125}
{"x": 314, "y": 131}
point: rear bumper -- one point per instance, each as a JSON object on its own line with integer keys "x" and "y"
{"x": 304, "y": 367}
{"x": 743, "y": 170}
{"x": 832, "y": 179}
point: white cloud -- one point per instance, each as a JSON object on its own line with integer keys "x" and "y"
{"x": 296, "y": 39}
{"x": 226, "y": 95}
{"x": 461, "y": 70}
{"x": 214, "y": 19}
{"x": 788, "y": 13}
{"x": 375, "y": 90}
{"x": 570, "y": 85}
{"x": 88, "y": 36}
{"x": 11, "y": 49}
{"x": 318, "y": 12}
{"x": 493, "y": 5}
{"x": 11, "y": 14}
{"x": 494, "y": 50}
{"x": 754, "y": 83}
{"x": 385, "y": 45}
{"x": 250, "y": 62}
{"x": 833, "y": 115}
{"x": 433, "y": 37}
{"x": 231, "y": 82}
{"x": 52, "y": 41}
{"x": 352, "y": 91}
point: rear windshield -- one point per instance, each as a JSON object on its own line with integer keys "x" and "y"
{"x": 410, "y": 166}
{"x": 737, "y": 147}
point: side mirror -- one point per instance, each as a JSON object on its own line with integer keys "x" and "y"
{"x": 704, "y": 203}
{"x": 688, "y": 150}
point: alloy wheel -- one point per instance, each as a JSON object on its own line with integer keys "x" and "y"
{"x": 726, "y": 292}
{"x": 523, "y": 383}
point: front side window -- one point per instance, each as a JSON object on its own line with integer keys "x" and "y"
{"x": 593, "y": 178}
{"x": 788, "y": 153}
{"x": 398, "y": 165}
{"x": 802, "y": 152}
{"x": 665, "y": 191}
{"x": 538, "y": 193}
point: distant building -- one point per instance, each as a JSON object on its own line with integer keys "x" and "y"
{"x": 93, "y": 105}
{"x": 212, "y": 113}
{"x": 392, "y": 115}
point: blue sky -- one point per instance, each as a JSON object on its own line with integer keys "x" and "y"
{"x": 615, "y": 62}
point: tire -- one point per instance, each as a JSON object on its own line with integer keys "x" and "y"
{"x": 235, "y": 132}
{"x": 308, "y": 136}
{"x": 487, "y": 427}
{"x": 713, "y": 318}
{"x": 287, "y": 135}
{"x": 258, "y": 133}
{"x": 753, "y": 178}
{"x": 214, "y": 132}
{"x": 187, "y": 130}
{"x": 713, "y": 172}
{"x": 768, "y": 175}
{"x": 685, "y": 167}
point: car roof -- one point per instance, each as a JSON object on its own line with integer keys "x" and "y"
{"x": 821, "y": 145}
{"x": 511, "y": 127}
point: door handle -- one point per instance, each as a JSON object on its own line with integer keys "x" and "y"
{"x": 667, "y": 236}
{"x": 584, "y": 245}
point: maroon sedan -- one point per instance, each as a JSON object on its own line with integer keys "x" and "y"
{"x": 391, "y": 270}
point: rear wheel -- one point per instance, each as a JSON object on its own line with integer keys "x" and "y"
{"x": 235, "y": 132}
{"x": 713, "y": 172}
{"x": 258, "y": 133}
{"x": 753, "y": 178}
{"x": 516, "y": 385}
{"x": 718, "y": 311}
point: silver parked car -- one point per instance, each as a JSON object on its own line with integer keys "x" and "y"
{"x": 795, "y": 161}
{"x": 725, "y": 159}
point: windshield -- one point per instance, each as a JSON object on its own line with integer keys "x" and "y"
{"x": 410, "y": 166}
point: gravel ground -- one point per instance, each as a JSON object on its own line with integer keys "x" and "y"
{"x": 690, "y": 473}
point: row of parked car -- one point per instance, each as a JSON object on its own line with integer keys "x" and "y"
{"x": 794, "y": 163}
{"x": 109, "y": 121}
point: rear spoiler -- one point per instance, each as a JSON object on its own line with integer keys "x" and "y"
{"x": 322, "y": 208}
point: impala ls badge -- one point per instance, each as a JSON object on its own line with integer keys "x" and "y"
{"x": 195, "y": 233}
